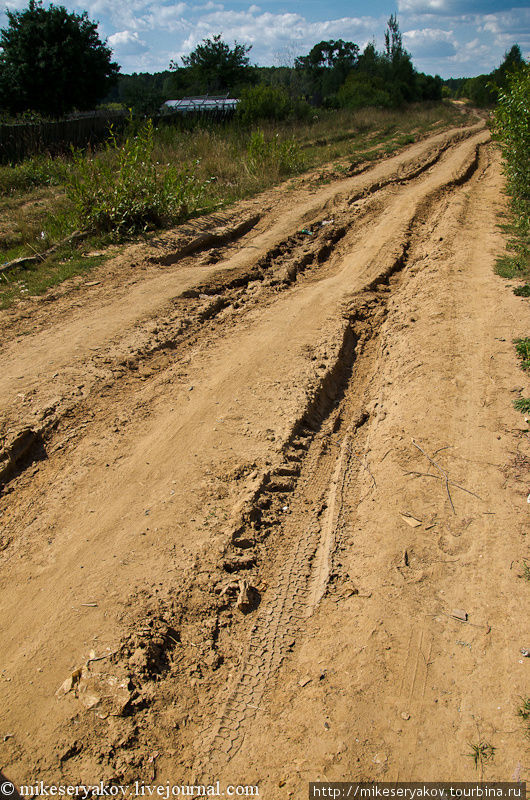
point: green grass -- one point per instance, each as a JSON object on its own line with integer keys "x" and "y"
{"x": 526, "y": 571}
{"x": 36, "y": 279}
{"x": 512, "y": 266}
{"x": 515, "y": 262}
{"x": 522, "y": 291}
{"x": 522, "y": 347}
{"x": 522, "y": 404}
{"x": 37, "y": 171}
{"x": 524, "y": 713}
{"x": 174, "y": 174}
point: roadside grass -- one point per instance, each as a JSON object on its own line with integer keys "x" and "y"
{"x": 512, "y": 130}
{"x": 526, "y": 571}
{"x": 522, "y": 404}
{"x": 524, "y": 713}
{"x": 511, "y": 267}
{"x": 522, "y": 347}
{"x": 36, "y": 279}
{"x": 514, "y": 264}
{"x": 37, "y": 171}
{"x": 158, "y": 177}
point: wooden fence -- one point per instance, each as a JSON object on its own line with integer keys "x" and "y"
{"x": 19, "y": 140}
{"x": 22, "y": 139}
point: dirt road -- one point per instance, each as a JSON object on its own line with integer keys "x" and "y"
{"x": 264, "y": 495}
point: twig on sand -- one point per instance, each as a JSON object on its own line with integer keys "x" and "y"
{"x": 438, "y": 478}
{"x": 101, "y": 658}
{"x": 443, "y": 476}
{"x": 364, "y": 463}
{"x": 440, "y": 470}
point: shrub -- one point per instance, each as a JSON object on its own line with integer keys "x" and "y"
{"x": 512, "y": 128}
{"x": 283, "y": 157}
{"x": 361, "y": 90}
{"x": 124, "y": 191}
{"x": 33, "y": 172}
{"x": 270, "y": 102}
{"x": 522, "y": 347}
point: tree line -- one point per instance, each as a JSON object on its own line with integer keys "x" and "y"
{"x": 334, "y": 74}
{"x": 53, "y": 62}
{"x": 484, "y": 90}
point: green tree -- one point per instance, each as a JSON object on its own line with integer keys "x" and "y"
{"x": 326, "y": 66}
{"x": 393, "y": 40}
{"x": 513, "y": 59}
{"x": 400, "y": 73}
{"x": 53, "y": 61}
{"x": 483, "y": 90}
{"x": 214, "y": 66}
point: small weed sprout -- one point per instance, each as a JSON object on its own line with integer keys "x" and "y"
{"x": 481, "y": 753}
{"x": 524, "y": 713}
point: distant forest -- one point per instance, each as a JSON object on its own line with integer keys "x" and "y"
{"x": 334, "y": 74}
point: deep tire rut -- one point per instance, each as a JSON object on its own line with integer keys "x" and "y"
{"x": 213, "y": 303}
{"x": 302, "y": 564}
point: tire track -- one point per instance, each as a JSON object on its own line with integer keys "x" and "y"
{"x": 207, "y": 306}
{"x": 303, "y": 562}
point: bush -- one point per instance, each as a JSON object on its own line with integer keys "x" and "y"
{"x": 274, "y": 156}
{"x": 124, "y": 191}
{"x": 361, "y": 90}
{"x": 512, "y": 127}
{"x": 33, "y": 172}
{"x": 270, "y": 102}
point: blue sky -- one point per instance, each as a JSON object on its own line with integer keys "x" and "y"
{"x": 448, "y": 37}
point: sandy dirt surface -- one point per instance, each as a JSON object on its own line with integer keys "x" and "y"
{"x": 264, "y": 495}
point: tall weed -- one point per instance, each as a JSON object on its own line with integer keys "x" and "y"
{"x": 512, "y": 127}
{"x": 283, "y": 157}
{"x": 124, "y": 191}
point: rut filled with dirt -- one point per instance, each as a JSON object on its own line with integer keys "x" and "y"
{"x": 264, "y": 495}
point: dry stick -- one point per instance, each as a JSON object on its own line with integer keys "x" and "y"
{"x": 440, "y": 470}
{"x": 446, "y": 447}
{"x": 364, "y": 463}
{"x": 438, "y": 478}
{"x": 21, "y": 262}
{"x": 101, "y": 658}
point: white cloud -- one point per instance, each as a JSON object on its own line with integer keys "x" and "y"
{"x": 127, "y": 43}
{"x": 423, "y": 6}
{"x": 461, "y": 9}
{"x": 430, "y": 43}
{"x": 167, "y": 17}
{"x": 271, "y": 33}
